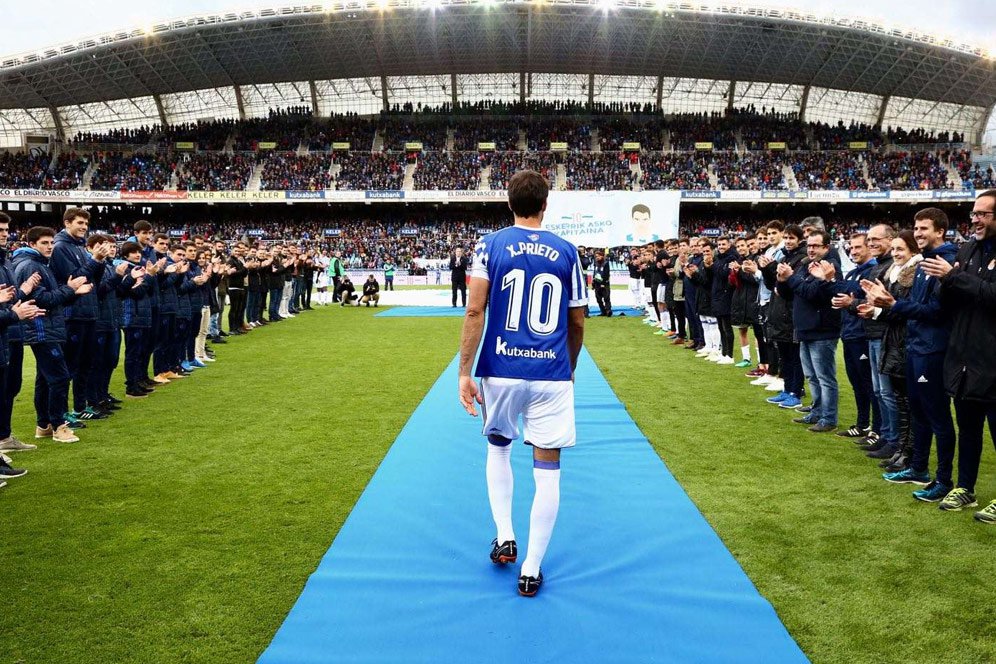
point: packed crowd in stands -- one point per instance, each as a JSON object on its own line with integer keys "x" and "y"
{"x": 839, "y": 136}
{"x": 68, "y": 171}
{"x": 431, "y": 132}
{"x": 613, "y": 132}
{"x": 759, "y": 129}
{"x": 900, "y": 136}
{"x": 22, "y": 170}
{"x": 285, "y": 127}
{"x": 598, "y": 171}
{"x": 301, "y": 173}
{"x": 456, "y": 170}
{"x": 216, "y": 171}
{"x": 907, "y": 170}
{"x": 759, "y": 170}
{"x": 542, "y": 131}
{"x": 377, "y": 170}
{"x": 973, "y": 176}
{"x": 689, "y": 171}
{"x": 468, "y": 133}
{"x": 136, "y": 136}
{"x": 205, "y": 135}
{"x": 131, "y": 172}
{"x": 687, "y": 129}
{"x": 350, "y": 128}
{"x": 828, "y": 170}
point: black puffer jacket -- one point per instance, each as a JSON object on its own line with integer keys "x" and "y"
{"x": 743, "y": 309}
{"x": 893, "y": 361}
{"x": 780, "y": 326}
{"x": 969, "y": 291}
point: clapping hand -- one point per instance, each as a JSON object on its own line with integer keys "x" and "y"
{"x": 764, "y": 261}
{"x": 30, "y": 283}
{"x": 75, "y": 283}
{"x": 7, "y": 293}
{"x": 866, "y": 310}
{"x": 27, "y": 310}
{"x": 842, "y": 301}
{"x": 750, "y": 267}
{"x": 877, "y": 293}
{"x": 784, "y": 272}
{"x": 822, "y": 270}
{"x": 937, "y": 267}
{"x": 121, "y": 269}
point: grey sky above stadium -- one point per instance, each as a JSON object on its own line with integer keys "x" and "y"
{"x": 30, "y": 26}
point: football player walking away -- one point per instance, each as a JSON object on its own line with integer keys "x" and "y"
{"x": 534, "y": 284}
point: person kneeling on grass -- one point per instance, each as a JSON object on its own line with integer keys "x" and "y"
{"x": 347, "y": 291}
{"x": 371, "y": 292}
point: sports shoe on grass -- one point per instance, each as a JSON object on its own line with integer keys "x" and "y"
{"x": 64, "y": 435}
{"x": 530, "y": 585}
{"x": 12, "y": 444}
{"x": 504, "y": 552}
{"x": 43, "y": 432}
{"x": 908, "y": 476}
{"x": 987, "y": 514}
{"x": 822, "y": 428}
{"x": 7, "y": 471}
{"x": 791, "y": 402}
{"x": 854, "y": 432}
{"x": 805, "y": 419}
{"x": 91, "y": 413}
{"x": 742, "y": 364}
{"x": 933, "y": 492}
{"x": 957, "y": 499}
{"x": 778, "y": 398}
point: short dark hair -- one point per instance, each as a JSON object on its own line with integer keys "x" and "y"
{"x": 73, "y": 212}
{"x": 855, "y": 236}
{"x": 159, "y": 236}
{"x": 527, "y": 193}
{"x": 639, "y": 207}
{"x": 936, "y": 215}
{"x": 129, "y": 248}
{"x": 823, "y": 235}
{"x": 36, "y": 233}
{"x": 723, "y": 237}
{"x": 795, "y": 230}
{"x": 775, "y": 226}
{"x": 95, "y": 239}
{"x": 4, "y": 218}
{"x": 142, "y": 225}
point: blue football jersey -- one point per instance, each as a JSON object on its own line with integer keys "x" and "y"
{"x": 534, "y": 276}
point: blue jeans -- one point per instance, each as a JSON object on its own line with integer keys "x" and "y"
{"x": 882, "y": 386}
{"x": 213, "y": 329}
{"x": 819, "y": 364}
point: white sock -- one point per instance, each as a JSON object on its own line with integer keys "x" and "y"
{"x": 546, "y": 502}
{"x": 499, "y": 474}
{"x": 745, "y": 351}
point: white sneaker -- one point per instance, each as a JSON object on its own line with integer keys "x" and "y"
{"x": 207, "y": 359}
{"x": 777, "y": 385}
{"x": 763, "y": 380}
{"x": 725, "y": 360}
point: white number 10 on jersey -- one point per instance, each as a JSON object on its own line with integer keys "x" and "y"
{"x": 541, "y": 320}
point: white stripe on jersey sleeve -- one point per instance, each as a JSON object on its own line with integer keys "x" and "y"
{"x": 479, "y": 264}
{"x": 579, "y": 286}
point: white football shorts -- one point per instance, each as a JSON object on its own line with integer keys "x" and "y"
{"x": 546, "y": 407}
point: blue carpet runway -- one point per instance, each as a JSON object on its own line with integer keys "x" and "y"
{"x": 634, "y": 573}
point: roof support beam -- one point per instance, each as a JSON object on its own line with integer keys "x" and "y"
{"x": 804, "y": 103}
{"x": 240, "y": 102}
{"x": 591, "y": 91}
{"x": 453, "y": 90}
{"x": 980, "y": 134}
{"x": 162, "y": 110}
{"x": 384, "y": 95}
{"x": 522, "y": 87}
{"x": 314, "y": 98}
{"x": 60, "y": 131}
{"x": 730, "y": 94}
{"x": 881, "y": 109}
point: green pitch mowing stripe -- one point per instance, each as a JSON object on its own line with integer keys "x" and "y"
{"x": 183, "y": 528}
{"x": 857, "y": 570}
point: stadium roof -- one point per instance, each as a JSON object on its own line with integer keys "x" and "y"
{"x": 391, "y": 38}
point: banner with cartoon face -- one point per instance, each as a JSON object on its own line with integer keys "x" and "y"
{"x": 613, "y": 218}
